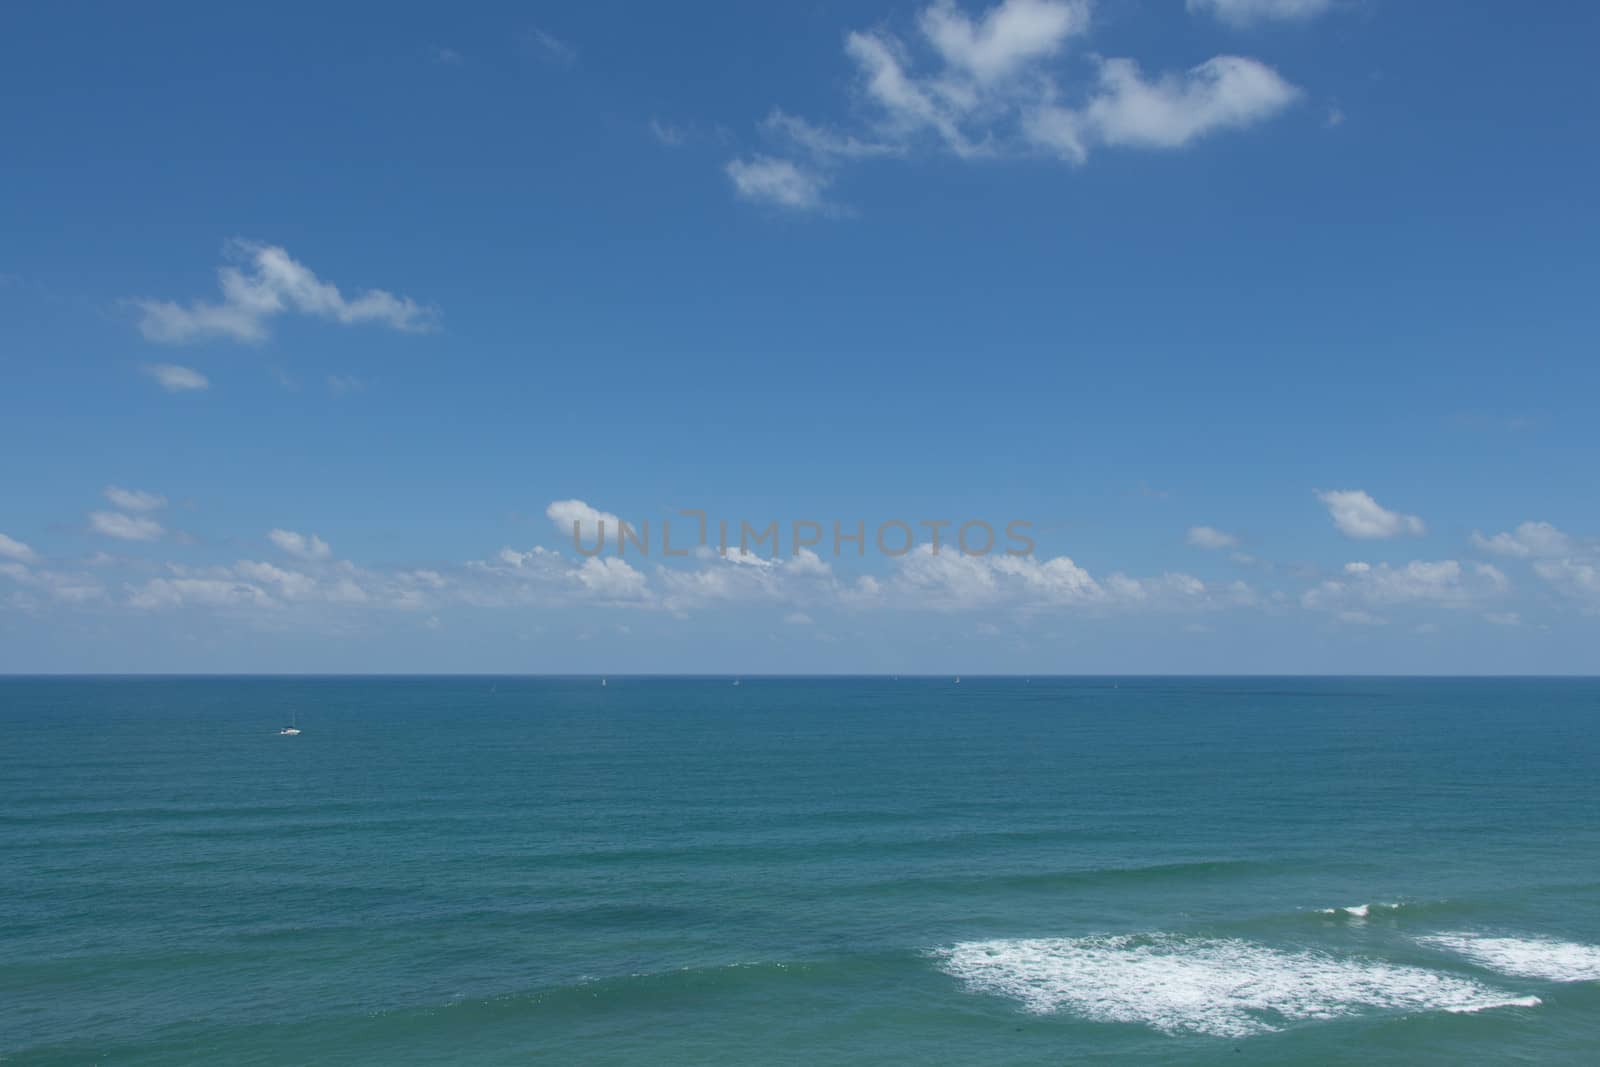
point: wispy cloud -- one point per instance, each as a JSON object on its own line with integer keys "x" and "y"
{"x": 1168, "y": 111}
{"x": 667, "y": 133}
{"x": 990, "y": 86}
{"x": 264, "y": 281}
{"x": 134, "y": 499}
{"x": 1210, "y": 537}
{"x": 1251, "y": 12}
{"x": 778, "y": 181}
{"x": 1528, "y": 540}
{"x": 339, "y": 384}
{"x": 125, "y": 527}
{"x": 548, "y": 47}
{"x": 307, "y": 547}
{"x": 176, "y": 379}
{"x": 13, "y": 549}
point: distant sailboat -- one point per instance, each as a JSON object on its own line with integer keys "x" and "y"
{"x": 602, "y": 683}
{"x": 958, "y": 679}
{"x": 736, "y": 681}
{"x": 293, "y": 729}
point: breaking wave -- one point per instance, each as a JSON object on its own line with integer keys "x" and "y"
{"x": 1218, "y": 987}
{"x": 1524, "y": 957}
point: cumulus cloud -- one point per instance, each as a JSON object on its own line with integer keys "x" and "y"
{"x": 264, "y": 281}
{"x": 1528, "y": 540}
{"x": 993, "y": 86}
{"x": 951, "y": 581}
{"x": 578, "y": 521}
{"x": 1359, "y": 516}
{"x": 612, "y": 579}
{"x": 134, "y": 499}
{"x": 1444, "y": 583}
{"x": 11, "y": 548}
{"x": 1211, "y": 538}
{"x": 62, "y": 587}
{"x": 176, "y": 379}
{"x": 1578, "y": 579}
{"x": 266, "y": 591}
{"x": 125, "y": 527}
{"x": 1250, "y": 12}
{"x": 308, "y": 547}
{"x": 1570, "y": 566}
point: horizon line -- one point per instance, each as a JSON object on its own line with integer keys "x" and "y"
{"x": 691, "y": 675}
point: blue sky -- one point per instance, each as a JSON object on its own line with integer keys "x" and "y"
{"x": 1274, "y": 318}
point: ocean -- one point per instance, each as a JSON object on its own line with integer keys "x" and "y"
{"x": 799, "y": 871}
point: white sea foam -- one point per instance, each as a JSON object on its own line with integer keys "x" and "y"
{"x": 1524, "y": 957}
{"x": 1359, "y": 911}
{"x": 1221, "y": 987}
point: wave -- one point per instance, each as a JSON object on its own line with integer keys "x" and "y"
{"x": 1523, "y": 957}
{"x": 1157, "y": 874}
{"x": 1216, "y": 987}
{"x": 1360, "y": 911}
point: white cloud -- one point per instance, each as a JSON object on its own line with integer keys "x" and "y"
{"x": 63, "y": 587}
{"x": 1210, "y": 537}
{"x": 1248, "y": 12}
{"x": 581, "y": 524}
{"x": 176, "y": 379}
{"x": 1445, "y": 583}
{"x": 325, "y": 596}
{"x": 764, "y": 179}
{"x": 990, "y": 86}
{"x": 1528, "y": 540}
{"x": 1503, "y": 618}
{"x": 1007, "y": 38}
{"x": 125, "y": 527}
{"x": 264, "y": 282}
{"x": 203, "y": 592}
{"x": 798, "y": 618}
{"x": 951, "y": 581}
{"x": 14, "y": 549}
{"x": 134, "y": 499}
{"x": 308, "y": 547}
{"x": 612, "y": 579}
{"x": 1578, "y": 579}
{"x": 1361, "y": 618}
{"x": 824, "y": 143}
{"x": 1357, "y": 515}
{"x": 1170, "y": 111}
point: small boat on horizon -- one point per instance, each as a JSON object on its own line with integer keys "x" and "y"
{"x": 293, "y": 729}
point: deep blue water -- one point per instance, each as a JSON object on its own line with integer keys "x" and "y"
{"x": 675, "y": 871}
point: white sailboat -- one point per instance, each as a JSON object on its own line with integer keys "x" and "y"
{"x": 293, "y": 729}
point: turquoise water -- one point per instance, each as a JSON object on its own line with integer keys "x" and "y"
{"x": 851, "y": 871}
